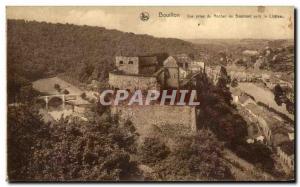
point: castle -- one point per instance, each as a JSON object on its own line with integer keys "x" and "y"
{"x": 147, "y": 73}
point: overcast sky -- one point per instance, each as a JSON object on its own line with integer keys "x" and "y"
{"x": 128, "y": 19}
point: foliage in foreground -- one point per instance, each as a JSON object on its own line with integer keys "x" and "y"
{"x": 196, "y": 157}
{"x": 103, "y": 149}
{"x": 98, "y": 150}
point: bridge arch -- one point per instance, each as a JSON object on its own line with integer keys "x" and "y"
{"x": 55, "y": 101}
{"x": 41, "y": 102}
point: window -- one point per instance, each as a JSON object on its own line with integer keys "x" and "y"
{"x": 130, "y": 62}
{"x": 121, "y": 62}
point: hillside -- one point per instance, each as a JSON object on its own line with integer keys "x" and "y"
{"x": 39, "y": 49}
{"x": 45, "y": 47}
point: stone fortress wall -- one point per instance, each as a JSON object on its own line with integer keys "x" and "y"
{"x": 132, "y": 82}
{"x": 143, "y": 117}
{"x": 137, "y": 73}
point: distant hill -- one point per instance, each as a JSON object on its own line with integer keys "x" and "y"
{"x": 233, "y": 48}
{"x": 234, "y": 45}
{"x": 251, "y": 43}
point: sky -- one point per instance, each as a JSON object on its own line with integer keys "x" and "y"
{"x": 264, "y": 23}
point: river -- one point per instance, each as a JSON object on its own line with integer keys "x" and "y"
{"x": 46, "y": 87}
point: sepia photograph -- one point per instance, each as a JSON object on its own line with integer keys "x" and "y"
{"x": 150, "y": 93}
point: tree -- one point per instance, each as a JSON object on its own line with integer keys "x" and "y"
{"x": 69, "y": 151}
{"x": 290, "y": 107}
{"x": 279, "y": 94}
{"x": 234, "y": 83}
{"x": 195, "y": 157}
{"x": 57, "y": 87}
{"x": 256, "y": 153}
{"x": 26, "y": 132}
{"x": 83, "y": 95}
{"x": 153, "y": 150}
{"x": 66, "y": 91}
{"x": 217, "y": 113}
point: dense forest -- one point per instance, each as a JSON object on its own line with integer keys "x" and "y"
{"x": 39, "y": 49}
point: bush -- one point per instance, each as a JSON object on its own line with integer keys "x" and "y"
{"x": 57, "y": 87}
{"x": 196, "y": 157}
{"x": 234, "y": 83}
{"x": 68, "y": 151}
{"x": 257, "y": 154}
{"x": 290, "y": 107}
{"x": 153, "y": 150}
{"x": 83, "y": 95}
{"x": 66, "y": 92}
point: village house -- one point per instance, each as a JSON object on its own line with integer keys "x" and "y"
{"x": 175, "y": 69}
{"x": 285, "y": 152}
{"x": 183, "y": 60}
{"x": 242, "y": 76}
{"x": 173, "y": 72}
{"x": 197, "y": 66}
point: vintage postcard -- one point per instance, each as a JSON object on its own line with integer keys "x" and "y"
{"x": 202, "y": 94}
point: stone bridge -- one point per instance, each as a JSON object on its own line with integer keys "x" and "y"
{"x": 63, "y": 97}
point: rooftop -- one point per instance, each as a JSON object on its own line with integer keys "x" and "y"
{"x": 118, "y": 72}
{"x": 182, "y": 58}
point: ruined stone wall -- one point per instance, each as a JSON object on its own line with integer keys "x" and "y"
{"x": 182, "y": 118}
{"x": 150, "y": 70}
{"x": 132, "y": 82}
